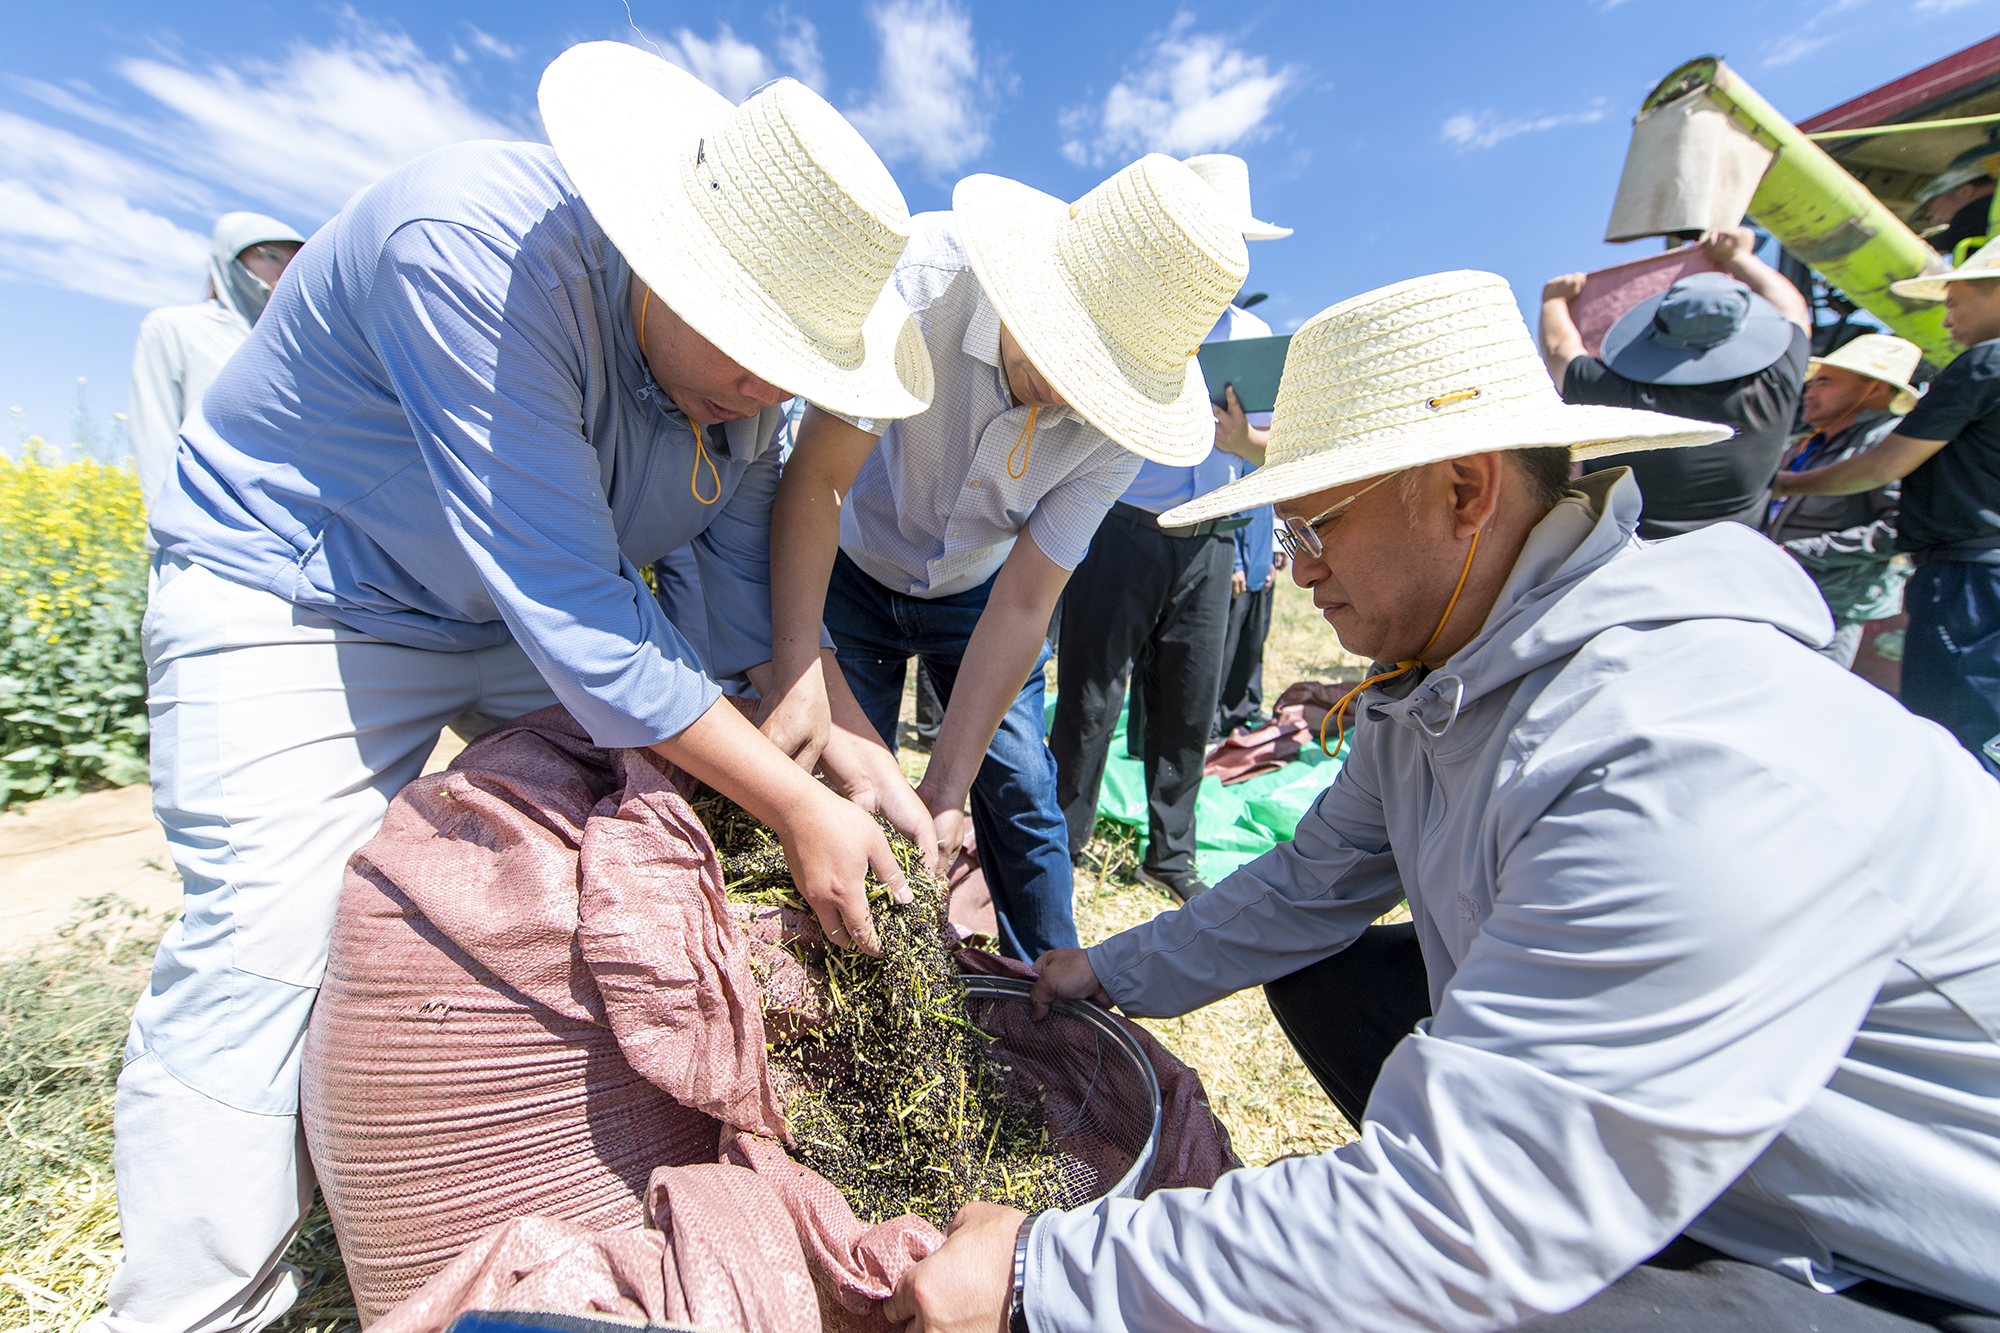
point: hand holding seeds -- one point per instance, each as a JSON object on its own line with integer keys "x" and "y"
{"x": 966, "y": 1284}
{"x": 830, "y": 845}
{"x": 1065, "y": 974}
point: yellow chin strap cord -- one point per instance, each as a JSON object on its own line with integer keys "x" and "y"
{"x": 700, "y": 450}
{"x": 1338, "y": 713}
{"x": 1025, "y": 443}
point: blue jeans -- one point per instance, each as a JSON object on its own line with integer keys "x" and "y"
{"x": 1951, "y": 652}
{"x": 1023, "y": 842}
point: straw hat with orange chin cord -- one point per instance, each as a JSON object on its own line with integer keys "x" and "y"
{"x": 1229, "y": 176}
{"x": 1111, "y": 296}
{"x": 1419, "y": 372}
{"x": 1981, "y": 263}
{"x": 771, "y": 228}
{"x": 1879, "y": 356}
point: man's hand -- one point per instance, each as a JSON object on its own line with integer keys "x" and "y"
{"x": 862, "y": 769}
{"x": 1239, "y": 583}
{"x": 1065, "y": 974}
{"x": 1565, "y": 288}
{"x": 1728, "y": 246}
{"x": 968, "y": 1283}
{"x": 948, "y": 817}
{"x": 830, "y": 844}
{"x": 794, "y": 716}
{"x": 1233, "y": 432}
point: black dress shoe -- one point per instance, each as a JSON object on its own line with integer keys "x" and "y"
{"x": 1180, "y": 887}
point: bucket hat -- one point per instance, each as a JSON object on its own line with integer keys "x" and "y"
{"x": 1706, "y": 328}
{"x": 1981, "y": 263}
{"x": 771, "y": 227}
{"x": 1421, "y": 371}
{"x": 1879, "y": 356}
{"x": 1969, "y": 165}
{"x": 1111, "y": 296}
{"x": 1229, "y": 176}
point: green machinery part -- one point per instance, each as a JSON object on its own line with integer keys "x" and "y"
{"x": 1820, "y": 213}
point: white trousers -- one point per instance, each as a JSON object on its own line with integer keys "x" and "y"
{"x": 279, "y": 738}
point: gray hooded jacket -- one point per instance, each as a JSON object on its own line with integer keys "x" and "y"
{"x": 1713, "y": 935}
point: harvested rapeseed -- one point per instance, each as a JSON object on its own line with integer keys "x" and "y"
{"x": 893, "y": 1096}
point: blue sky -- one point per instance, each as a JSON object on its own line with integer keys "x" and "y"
{"x": 1397, "y": 138}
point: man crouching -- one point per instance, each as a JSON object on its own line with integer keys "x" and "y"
{"x": 1704, "y": 959}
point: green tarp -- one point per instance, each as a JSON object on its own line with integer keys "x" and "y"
{"x": 1233, "y": 824}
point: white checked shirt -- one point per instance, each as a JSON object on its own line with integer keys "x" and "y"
{"x": 935, "y": 509}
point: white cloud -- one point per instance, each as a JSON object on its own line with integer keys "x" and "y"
{"x": 491, "y": 45}
{"x": 798, "y": 51}
{"x": 931, "y": 98}
{"x": 1189, "y": 93}
{"x": 308, "y": 132}
{"x": 67, "y": 218}
{"x": 1935, "y": 7}
{"x": 127, "y": 217}
{"x": 733, "y": 67}
{"x": 1795, "y": 46}
{"x": 1484, "y": 129}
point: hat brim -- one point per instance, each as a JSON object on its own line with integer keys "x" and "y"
{"x": 1932, "y": 288}
{"x": 1905, "y": 397}
{"x": 1253, "y": 230}
{"x": 1629, "y": 348}
{"x": 1587, "y": 432}
{"x": 591, "y": 98}
{"x": 1008, "y": 231}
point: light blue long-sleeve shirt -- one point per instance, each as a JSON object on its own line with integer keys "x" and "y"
{"x": 442, "y": 433}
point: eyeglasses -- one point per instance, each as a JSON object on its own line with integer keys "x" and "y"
{"x": 1300, "y": 536}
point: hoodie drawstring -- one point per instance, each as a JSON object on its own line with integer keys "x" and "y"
{"x": 1338, "y": 713}
{"x": 1025, "y": 443}
{"x": 700, "y": 450}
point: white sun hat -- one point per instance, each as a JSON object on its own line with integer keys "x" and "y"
{"x": 1419, "y": 372}
{"x": 770, "y": 228}
{"x": 1111, "y": 296}
{"x": 1229, "y": 176}
{"x": 1879, "y": 356}
{"x": 1981, "y": 263}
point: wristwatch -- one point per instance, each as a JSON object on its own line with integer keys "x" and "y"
{"x": 1017, "y": 1309}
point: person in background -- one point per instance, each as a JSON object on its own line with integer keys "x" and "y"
{"x": 1728, "y": 347}
{"x": 1062, "y": 336}
{"x": 1854, "y": 397}
{"x": 1253, "y": 586}
{"x": 1695, "y": 1024}
{"x": 1946, "y": 453}
{"x": 1960, "y": 200}
{"x": 1151, "y": 605}
{"x": 181, "y": 347}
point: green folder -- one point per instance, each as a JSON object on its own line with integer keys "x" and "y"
{"x": 1253, "y": 365}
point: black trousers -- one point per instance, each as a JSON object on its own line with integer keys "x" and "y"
{"x": 1155, "y": 608}
{"x": 1345, "y": 1014}
{"x": 1243, "y": 657}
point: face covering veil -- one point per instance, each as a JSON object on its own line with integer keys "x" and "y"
{"x": 238, "y": 289}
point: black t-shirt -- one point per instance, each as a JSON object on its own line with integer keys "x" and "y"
{"x": 1954, "y": 495}
{"x": 1685, "y": 489}
{"x": 1689, "y": 489}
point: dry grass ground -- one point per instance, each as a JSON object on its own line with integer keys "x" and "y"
{"x": 63, "y": 1009}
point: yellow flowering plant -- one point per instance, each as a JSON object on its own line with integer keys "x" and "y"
{"x": 72, "y": 593}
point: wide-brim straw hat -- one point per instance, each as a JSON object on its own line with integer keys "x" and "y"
{"x": 1111, "y": 296}
{"x": 1419, "y": 372}
{"x": 1229, "y": 176}
{"x": 1879, "y": 356}
{"x": 1981, "y": 263}
{"x": 770, "y": 228}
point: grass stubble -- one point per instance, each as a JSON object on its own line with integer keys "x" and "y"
{"x": 891, "y": 1095}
